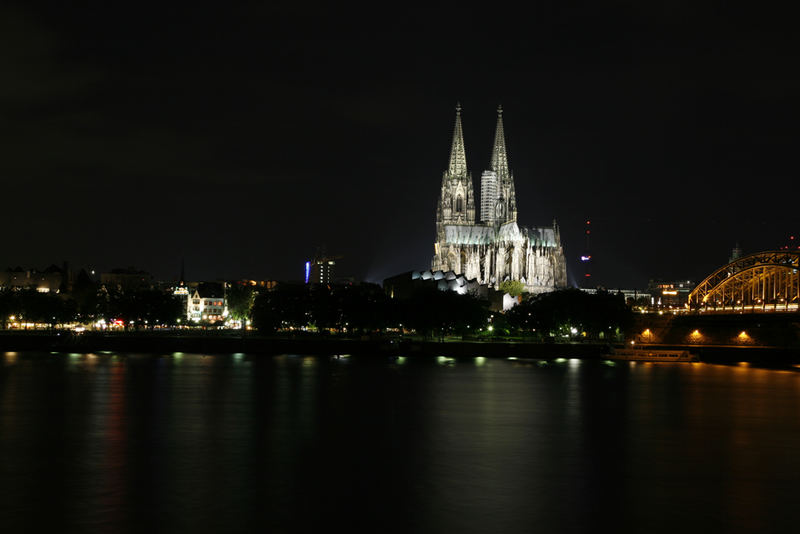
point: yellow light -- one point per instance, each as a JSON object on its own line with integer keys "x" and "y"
{"x": 647, "y": 332}
{"x": 669, "y": 292}
{"x": 743, "y": 336}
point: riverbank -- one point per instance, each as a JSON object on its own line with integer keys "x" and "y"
{"x": 233, "y": 342}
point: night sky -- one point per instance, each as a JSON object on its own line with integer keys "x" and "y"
{"x": 242, "y": 138}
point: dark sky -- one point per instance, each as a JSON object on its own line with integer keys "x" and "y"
{"x": 243, "y": 138}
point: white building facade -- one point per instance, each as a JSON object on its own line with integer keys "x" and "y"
{"x": 206, "y": 306}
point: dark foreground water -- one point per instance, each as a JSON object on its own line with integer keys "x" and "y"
{"x": 192, "y": 443}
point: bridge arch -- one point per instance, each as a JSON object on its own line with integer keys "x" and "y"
{"x": 767, "y": 281}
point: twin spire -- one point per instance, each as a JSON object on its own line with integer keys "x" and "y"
{"x": 458, "y": 156}
{"x": 499, "y": 157}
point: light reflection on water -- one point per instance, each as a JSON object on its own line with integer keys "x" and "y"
{"x": 188, "y": 442}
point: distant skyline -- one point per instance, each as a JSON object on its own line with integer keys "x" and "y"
{"x": 242, "y": 138}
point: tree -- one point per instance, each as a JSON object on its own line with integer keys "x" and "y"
{"x": 514, "y": 288}
{"x": 430, "y": 311}
{"x": 143, "y": 307}
{"x": 286, "y": 304}
{"x": 559, "y": 312}
{"x": 31, "y": 306}
{"x": 240, "y": 298}
{"x": 8, "y": 305}
{"x": 85, "y": 293}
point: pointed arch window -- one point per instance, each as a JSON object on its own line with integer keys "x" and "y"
{"x": 459, "y": 204}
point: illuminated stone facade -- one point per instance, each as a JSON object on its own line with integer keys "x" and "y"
{"x": 494, "y": 249}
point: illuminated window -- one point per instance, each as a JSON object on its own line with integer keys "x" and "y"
{"x": 459, "y": 203}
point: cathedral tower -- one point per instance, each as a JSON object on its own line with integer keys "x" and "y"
{"x": 497, "y": 249}
{"x": 505, "y": 204}
{"x": 457, "y": 198}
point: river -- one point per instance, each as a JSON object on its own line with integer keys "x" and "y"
{"x": 237, "y": 443}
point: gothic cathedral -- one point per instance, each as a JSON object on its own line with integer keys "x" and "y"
{"x": 496, "y": 248}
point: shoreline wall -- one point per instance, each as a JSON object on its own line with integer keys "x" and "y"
{"x": 226, "y": 344}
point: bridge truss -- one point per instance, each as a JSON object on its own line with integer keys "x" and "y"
{"x": 764, "y": 281}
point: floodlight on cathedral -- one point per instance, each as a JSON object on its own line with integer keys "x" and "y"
{"x": 495, "y": 248}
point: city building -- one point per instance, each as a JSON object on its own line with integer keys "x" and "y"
{"x": 670, "y": 294}
{"x": 128, "y": 279}
{"x": 638, "y": 298}
{"x": 207, "y": 303}
{"x": 405, "y": 285}
{"x": 51, "y": 280}
{"x": 181, "y": 292}
{"x": 320, "y": 270}
{"x": 258, "y": 284}
{"x": 496, "y": 248}
{"x": 736, "y": 253}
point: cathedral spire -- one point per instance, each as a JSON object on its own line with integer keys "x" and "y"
{"x": 499, "y": 157}
{"x": 458, "y": 157}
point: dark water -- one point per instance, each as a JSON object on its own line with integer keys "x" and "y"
{"x": 192, "y": 443}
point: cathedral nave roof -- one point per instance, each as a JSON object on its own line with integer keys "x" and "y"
{"x": 469, "y": 234}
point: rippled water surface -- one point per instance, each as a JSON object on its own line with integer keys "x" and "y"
{"x": 237, "y": 443}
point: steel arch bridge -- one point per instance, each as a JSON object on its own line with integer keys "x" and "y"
{"x": 764, "y": 281}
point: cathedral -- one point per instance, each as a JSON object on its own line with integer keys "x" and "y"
{"x": 495, "y": 248}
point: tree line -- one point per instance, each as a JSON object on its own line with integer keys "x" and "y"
{"x": 344, "y": 309}
{"x": 366, "y": 308}
{"x": 88, "y": 302}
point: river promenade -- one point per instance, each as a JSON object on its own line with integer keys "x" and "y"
{"x": 249, "y": 343}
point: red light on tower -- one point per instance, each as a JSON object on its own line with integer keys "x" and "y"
{"x": 587, "y": 255}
